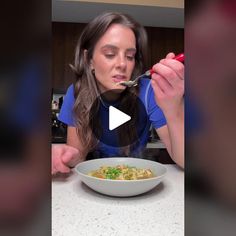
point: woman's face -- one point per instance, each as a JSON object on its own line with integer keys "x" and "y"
{"x": 114, "y": 57}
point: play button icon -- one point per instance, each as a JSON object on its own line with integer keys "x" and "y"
{"x": 117, "y": 118}
{"x": 119, "y": 122}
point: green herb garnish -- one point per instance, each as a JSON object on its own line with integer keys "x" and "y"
{"x": 112, "y": 173}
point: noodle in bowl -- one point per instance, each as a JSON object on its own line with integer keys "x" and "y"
{"x": 121, "y": 188}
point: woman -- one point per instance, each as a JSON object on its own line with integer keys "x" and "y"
{"x": 112, "y": 48}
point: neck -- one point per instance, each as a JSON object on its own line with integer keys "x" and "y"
{"x": 111, "y": 96}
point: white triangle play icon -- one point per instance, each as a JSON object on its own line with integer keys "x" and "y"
{"x": 117, "y": 118}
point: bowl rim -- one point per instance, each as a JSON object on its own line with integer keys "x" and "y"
{"x": 121, "y": 181}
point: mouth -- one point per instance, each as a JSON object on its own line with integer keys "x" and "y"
{"x": 119, "y": 78}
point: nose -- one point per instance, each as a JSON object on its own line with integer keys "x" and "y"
{"x": 121, "y": 62}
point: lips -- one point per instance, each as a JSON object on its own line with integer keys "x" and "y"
{"x": 119, "y": 78}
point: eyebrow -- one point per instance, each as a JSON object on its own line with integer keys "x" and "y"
{"x": 110, "y": 46}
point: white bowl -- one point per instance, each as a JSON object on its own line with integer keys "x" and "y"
{"x": 120, "y": 188}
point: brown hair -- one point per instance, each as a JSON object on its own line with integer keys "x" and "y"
{"x": 86, "y": 89}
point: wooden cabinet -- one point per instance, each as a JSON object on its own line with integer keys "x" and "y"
{"x": 64, "y": 38}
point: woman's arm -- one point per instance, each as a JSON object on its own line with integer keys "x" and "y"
{"x": 67, "y": 155}
{"x": 73, "y": 141}
{"x": 168, "y": 87}
{"x": 172, "y": 135}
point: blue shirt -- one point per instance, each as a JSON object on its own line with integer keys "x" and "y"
{"x": 155, "y": 115}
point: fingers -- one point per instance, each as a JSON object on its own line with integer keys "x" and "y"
{"x": 171, "y": 70}
{"x": 174, "y": 65}
{"x": 157, "y": 88}
{"x": 58, "y": 153}
{"x": 59, "y": 166}
{"x": 167, "y": 73}
{"x": 170, "y": 55}
{"x": 161, "y": 82}
{"x": 168, "y": 82}
{"x": 70, "y": 156}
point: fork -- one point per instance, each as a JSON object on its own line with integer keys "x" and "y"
{"x": 131, "y": 83}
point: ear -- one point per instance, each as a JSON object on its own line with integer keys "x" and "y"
{"x": 86, "y": 58}
{"x": 85, "y": 54}
{"x": 91, "y": 64}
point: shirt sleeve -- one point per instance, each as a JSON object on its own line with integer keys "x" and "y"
{"x": 66, "y": 112}
{"x": 154, "y": 112}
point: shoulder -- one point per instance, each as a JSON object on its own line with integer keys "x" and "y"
{"x": 70, "y": 90}
{"x": 66, "y": 112}
{"x": 69, "y": 97}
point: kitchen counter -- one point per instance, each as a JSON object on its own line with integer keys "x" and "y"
{"x": 78, "y": 210}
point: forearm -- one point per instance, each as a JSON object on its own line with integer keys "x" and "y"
{"x": 175, "y": 126}
{"x": 73, "y": 141}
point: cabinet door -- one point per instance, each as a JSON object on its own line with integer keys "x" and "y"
{"x": 64, "y": 40}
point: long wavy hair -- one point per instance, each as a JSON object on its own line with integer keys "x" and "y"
{"x": 86, "y": 89}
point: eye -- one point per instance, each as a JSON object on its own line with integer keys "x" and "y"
{"x": 109, "y": 56}
{"x": 130, "y": 57}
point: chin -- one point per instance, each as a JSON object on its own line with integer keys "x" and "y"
{"x": 115, "y": 87}
{"x": 119, "y": 88}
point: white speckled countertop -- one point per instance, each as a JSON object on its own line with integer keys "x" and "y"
{"x": 79, "y": 211}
